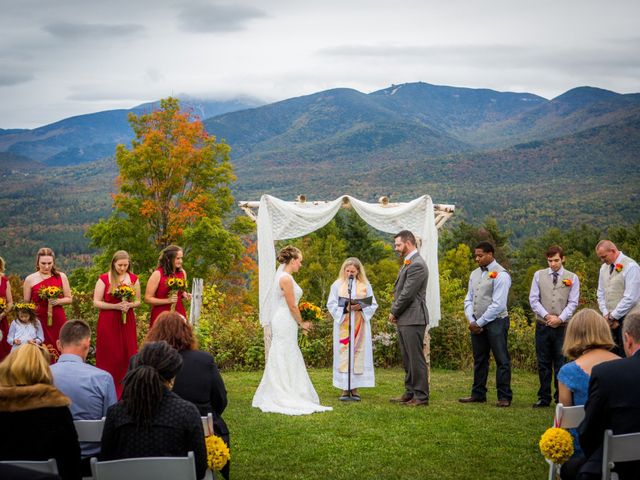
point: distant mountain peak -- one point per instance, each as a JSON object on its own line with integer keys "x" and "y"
{"x": 586, "y": 94}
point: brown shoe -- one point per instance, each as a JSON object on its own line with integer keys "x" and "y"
{"x": 503, "y": 403}
{"x": 472, "y": 400}
{"x": 414, "y": 402}
{"x": 402, "y": 399}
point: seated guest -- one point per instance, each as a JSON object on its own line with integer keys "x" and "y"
{"x": 35, "y": 416}
{"x": 199, "y": 381}
{"x": 150, "y": 420}
{"x": 90, "y": 389}
{"x": 613, "y": 403}
{"x": 588, "y": 341}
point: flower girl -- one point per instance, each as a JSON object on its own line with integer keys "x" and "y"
{"x": 26, "y": 328}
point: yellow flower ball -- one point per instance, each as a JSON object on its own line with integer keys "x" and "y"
{"x": 556, "y": 444}
{"x": 217, "y": 452}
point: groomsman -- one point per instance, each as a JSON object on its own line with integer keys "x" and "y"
{"x": 553, "y": 297}
{"x": 618, "y": 288}
{"x": 409, "y": 313}
{"x": 486, "y": 310}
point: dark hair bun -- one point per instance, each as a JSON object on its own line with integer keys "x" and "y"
{"x": 288, "y": 253}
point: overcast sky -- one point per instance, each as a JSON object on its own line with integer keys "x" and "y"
{"x": 60, "y": 58}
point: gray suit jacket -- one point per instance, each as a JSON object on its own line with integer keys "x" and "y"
{"x": 409, "y": 303}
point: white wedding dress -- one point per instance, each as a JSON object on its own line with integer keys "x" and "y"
{"x": 285, "y": 386}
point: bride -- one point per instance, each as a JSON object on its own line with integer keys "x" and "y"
{"x": 285, "y": 387}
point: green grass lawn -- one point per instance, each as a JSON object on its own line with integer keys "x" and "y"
{"x": 378, "y": 439}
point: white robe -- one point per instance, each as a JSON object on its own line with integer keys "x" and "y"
{"x": 367, "y": 377}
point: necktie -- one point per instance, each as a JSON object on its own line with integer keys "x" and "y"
{"x": 484, "y": 269}
{"x": 555, "y": 278}
{"x": 611, "y": 268}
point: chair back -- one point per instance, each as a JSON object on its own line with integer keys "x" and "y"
{"x": 568, "y": 417}
{"x": 619, "y": 448}
{"x": 89, "y": 430}
{"x": 149, "y": 468}
{"x": 43, "y": 466}
{"x": 207, "y": 425}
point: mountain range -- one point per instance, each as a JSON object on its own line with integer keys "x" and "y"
{"x": 525, "y": 160}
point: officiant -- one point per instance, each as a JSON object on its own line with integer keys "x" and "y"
{"x": 352, "y": 304}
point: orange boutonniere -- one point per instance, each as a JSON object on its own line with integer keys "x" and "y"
{"x": 407, "y": 262}
{"x": 567, "y": 282}
{"x": 493, "y": 274}
{"x": 619, "y": 267}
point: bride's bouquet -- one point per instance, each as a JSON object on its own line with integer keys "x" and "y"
{"x": 309, "y": 313}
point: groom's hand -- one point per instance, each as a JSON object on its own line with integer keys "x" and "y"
{"x": 393, "y": 319}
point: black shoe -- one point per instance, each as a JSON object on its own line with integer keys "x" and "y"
{"x": 472, "y": 400}
{"x": 541, "y": 404}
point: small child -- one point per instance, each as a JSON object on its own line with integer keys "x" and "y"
{"x": 26, "y": 328}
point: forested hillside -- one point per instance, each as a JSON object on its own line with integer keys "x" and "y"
{"x": 528, "y": 162}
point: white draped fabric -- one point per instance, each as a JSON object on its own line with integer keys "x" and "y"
{"x": 280, "y": 220}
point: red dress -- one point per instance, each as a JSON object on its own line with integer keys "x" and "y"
{"x": 163, "y": 292}
{"x": 58, "y": 317}
{"x": 5, "y": 348}
{"x": 116, "y": 342}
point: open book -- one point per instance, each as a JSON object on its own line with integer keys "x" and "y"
{"x": 363, "y": 302}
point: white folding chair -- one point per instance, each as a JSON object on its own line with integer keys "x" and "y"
{"x": 89, "y": 430}
{"x": 149, "y": 468}
{"x": 43, "y": 466}
{"x": 618, "y": 448}
{"x": 566, "y": 417}
{"x": 207, "y": 424}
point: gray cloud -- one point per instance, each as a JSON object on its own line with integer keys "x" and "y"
{"x": 217, "y": 18}
{"x": 77, "y": 31}
{"x": 8, "y": 79}
{"x": 499, "y": 56}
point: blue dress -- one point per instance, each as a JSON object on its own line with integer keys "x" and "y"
{"x": 576, "y": 380}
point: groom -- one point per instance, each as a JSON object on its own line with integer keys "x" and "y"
{"x": 409, "y": 313}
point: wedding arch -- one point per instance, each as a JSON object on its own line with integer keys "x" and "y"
{"x": 280, "y": 220}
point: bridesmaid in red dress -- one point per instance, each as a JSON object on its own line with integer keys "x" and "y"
{"x": 116, "y": 341}
{"x": 157, "y": 292}
{"x": 5, "y": 293}
{"x": 46, "y": 275}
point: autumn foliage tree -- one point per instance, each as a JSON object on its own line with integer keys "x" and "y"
{"x": 173, "y": 188}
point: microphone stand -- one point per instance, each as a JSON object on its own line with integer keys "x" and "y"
{"x": 349, "y": 397}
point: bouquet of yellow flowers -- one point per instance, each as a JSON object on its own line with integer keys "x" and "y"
{"x": 3, "y": 304}
{"x": 556, "y": 444}
{"x": 124, "y": 293}
{"x": 176, "y": 285}
{"x": 217, "y": 452}
{"x": 49, "y": 293}
{"x": 309, "y": 313}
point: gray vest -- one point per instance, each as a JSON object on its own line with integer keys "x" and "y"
{"x": 613, "y": 285}
{"x": 554, "y": 298}
{"x": 483, "y": 291}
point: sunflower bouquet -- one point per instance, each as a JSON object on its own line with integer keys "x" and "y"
{"x": 125, "y": 293}
{"x": 176, "y": 285}
{"x": 309, "y": 313}
{"x": 49, "y": 293}
{"x": 217, "y": 453}
{"x": 3, "y": 304}
{"x": 556, "y": 444}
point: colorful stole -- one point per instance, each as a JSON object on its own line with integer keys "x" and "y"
{"x": 358, "y": 333}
